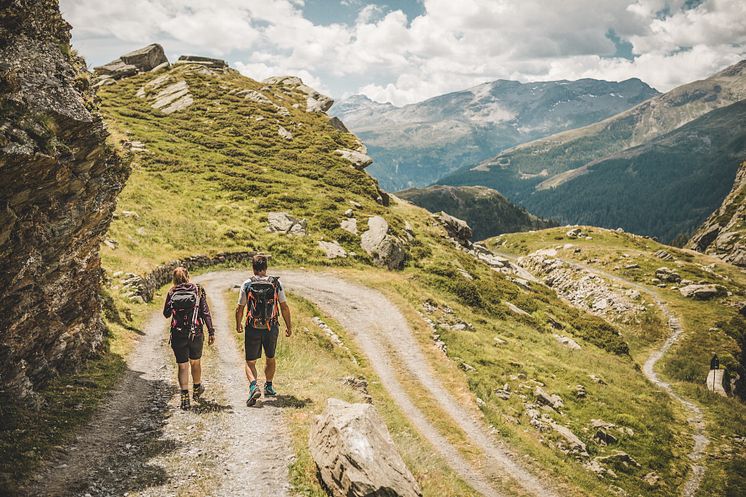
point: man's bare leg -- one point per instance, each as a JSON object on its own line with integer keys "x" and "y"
{"x": 269, "y": 369}
{"x": 250, "y": 369}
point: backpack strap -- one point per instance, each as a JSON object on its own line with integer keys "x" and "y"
{"x": 195, "y": 314}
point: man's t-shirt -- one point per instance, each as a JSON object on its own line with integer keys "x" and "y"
{"x": 243, "y": 295}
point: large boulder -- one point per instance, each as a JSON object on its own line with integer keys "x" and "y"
{"x": 282, "y": 222}
{"x": 359, "y": 160}
{"x": 455, "y": 227}
{"x": 355, "y": 455}
{"x": 140, "y": 60}
{"x": 386, "y": 249}
{"x": 59, "y": 186}
{"x": 703, "y": 292}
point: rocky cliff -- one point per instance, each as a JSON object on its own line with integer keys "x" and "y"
{"x": 723, "y": 233}
{"x": 58, "y": 185}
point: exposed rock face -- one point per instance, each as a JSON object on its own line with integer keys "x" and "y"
{"x": 141, "y": 60}
{"x": 205, "y": 61}
{"x": 723, "y": 234}
{"x": 583, "y": 288}
{"x": 59, "y": 183}
{"x": 703, "y": 292}
{"x": 315, "y": 101}
{"x": 359, "y": 160}
{"x": 332, "y": 250}
{"x": 455, "y": 227}
{"x": 355, "y": 454}
{"x": 386, "y": 249}
{"x": 282, "y": 222}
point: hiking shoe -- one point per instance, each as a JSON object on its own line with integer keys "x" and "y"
{"x": 185, "y": 401}
{"x": 269, "y": 390}
{"x": 254, "y": 394}
{"x": 197, "y": 394}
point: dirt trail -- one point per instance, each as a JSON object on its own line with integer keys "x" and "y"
{"x": 140, "y": 442}
{"x": 695, "y": 416}
{"x": 379, "y": 334}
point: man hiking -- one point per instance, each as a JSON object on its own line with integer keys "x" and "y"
{"x": 264, "y": 299}
{"x": 186, "y": 305}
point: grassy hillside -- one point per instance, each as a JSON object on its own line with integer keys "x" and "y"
{"x": 709, "y": 326}
{"x": 486, "y": 211}
{"x": 635, "y": 152}
{"x": 208, "y": 177}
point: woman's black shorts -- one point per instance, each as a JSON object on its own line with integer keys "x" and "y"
{"x": 256, "y": 339}
{"x": 186, "y": 349}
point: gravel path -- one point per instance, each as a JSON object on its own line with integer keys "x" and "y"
{"x": 141, "y": 444}
{"x": 695, "y": 417}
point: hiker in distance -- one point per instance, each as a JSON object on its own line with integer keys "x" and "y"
{"x": 186, "y": 305}
{"x": 264, "y": 299}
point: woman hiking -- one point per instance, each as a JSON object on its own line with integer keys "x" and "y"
{"x": 186, "y": 305}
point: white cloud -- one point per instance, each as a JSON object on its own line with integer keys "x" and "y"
{"x": 453, "y": 45}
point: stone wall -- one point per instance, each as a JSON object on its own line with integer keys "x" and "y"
{"x": 58, "y": 185}
{"x": 144, "y": 287}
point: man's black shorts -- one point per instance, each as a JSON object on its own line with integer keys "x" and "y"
{"x": 185, "y": 349}
{"x": 256, "y": 339}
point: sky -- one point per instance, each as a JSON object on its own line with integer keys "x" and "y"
{"x": 405, "y": 51}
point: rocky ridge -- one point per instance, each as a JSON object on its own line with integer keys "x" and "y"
{"x": 723, "y": 233}
{"x": 59, "y": 185}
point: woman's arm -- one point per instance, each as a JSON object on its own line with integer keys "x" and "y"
{"x": 167, "y": 309}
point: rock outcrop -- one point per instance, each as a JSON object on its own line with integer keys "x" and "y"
{"x": 315, "y": 101}
{"x": 203, "y": 61}
{"x": 140, "y": 60}
{"x": 703, "y": 292}
{"x": 723, "y": 234}
{"x": 332, "y": 250}
{"x": 359, "y": 160}
{"x": 58, "y": 183}
{"x": 584, "y": 288}
{"x": 385, "y": 249}
{"x": 456, "y": 228}
{"x": 355, "y": 455}
{"x": 282, "y": 222}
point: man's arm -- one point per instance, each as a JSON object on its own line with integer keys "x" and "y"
{"x": 285, "y": 310}
{"x": 239, "y": 317}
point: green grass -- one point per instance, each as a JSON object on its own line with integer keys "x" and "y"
{"x": 709, "y": 326}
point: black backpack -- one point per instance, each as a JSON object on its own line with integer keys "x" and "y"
{"x": 262, "y": 302}
{"x": 185, "y": 304}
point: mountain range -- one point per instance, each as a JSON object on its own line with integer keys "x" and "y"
{"x": 657, "y": 169}
{"x": 417, "y": 144}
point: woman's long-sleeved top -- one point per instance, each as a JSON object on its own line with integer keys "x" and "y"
{"x": 203, "y": 317}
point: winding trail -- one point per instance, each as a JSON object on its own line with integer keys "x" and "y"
{"x": 141, "y": 443}
{"x": 695, "y": 416}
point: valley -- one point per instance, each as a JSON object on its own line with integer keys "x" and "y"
{"x": 540, "y": 361}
